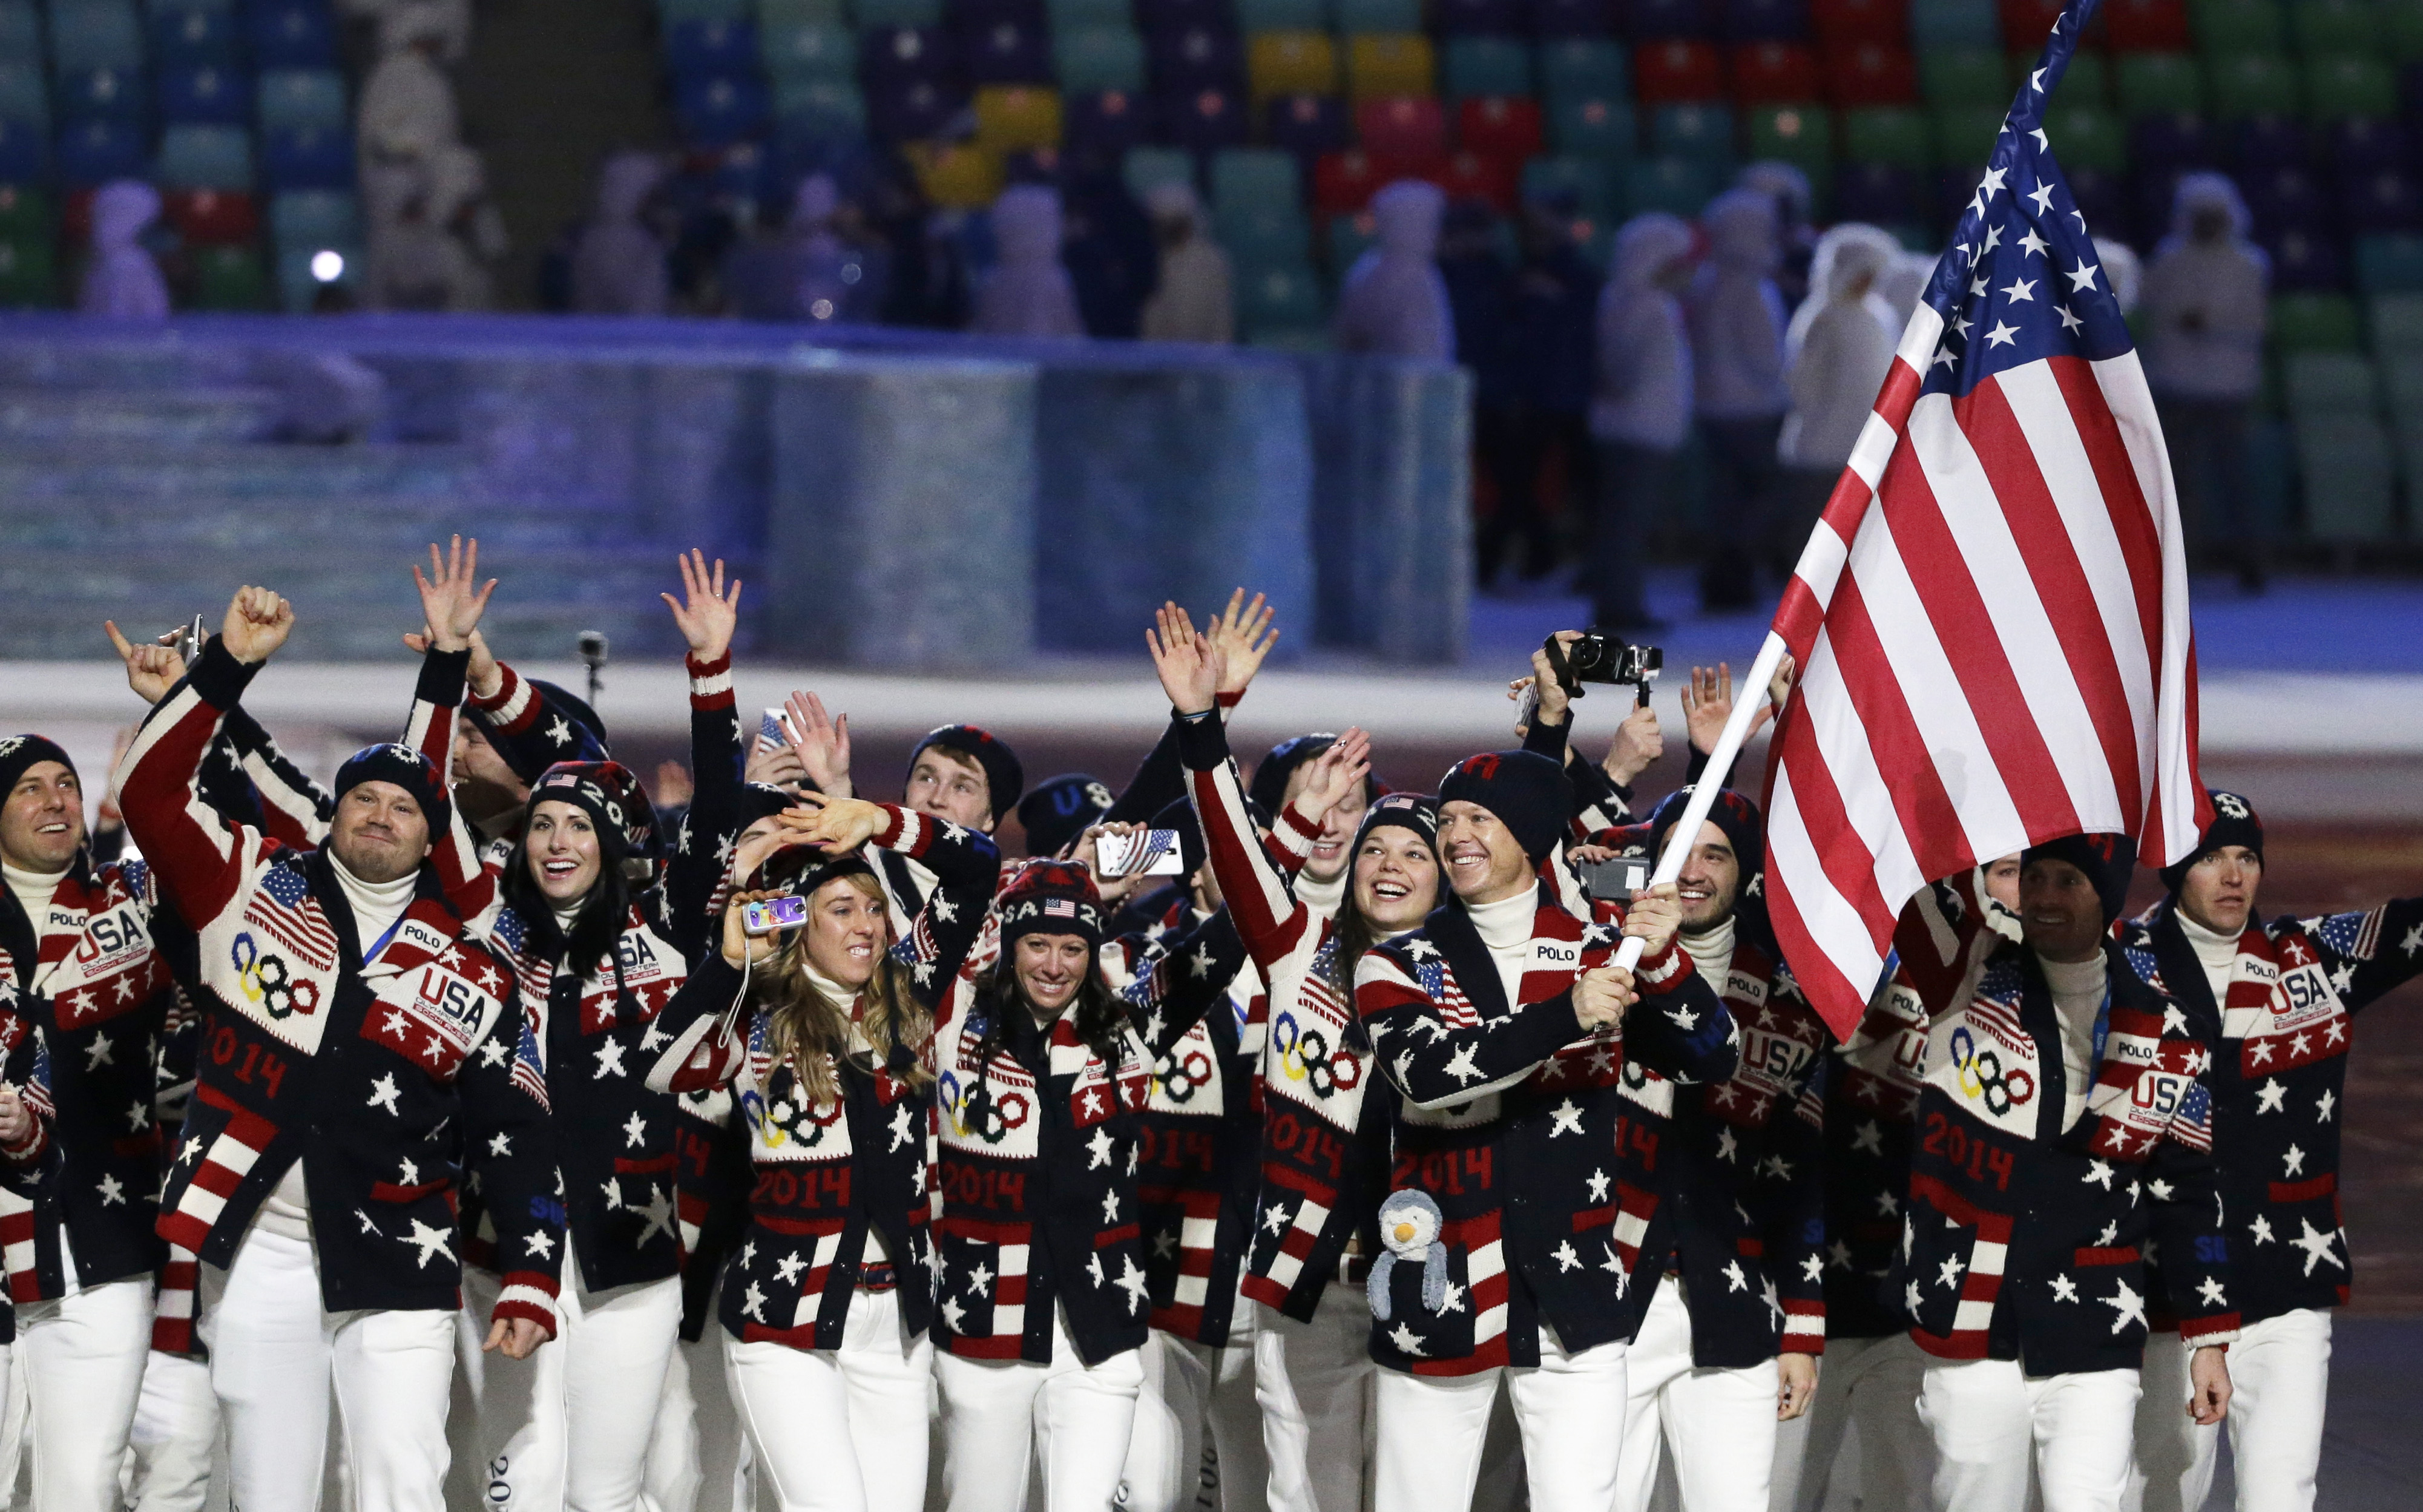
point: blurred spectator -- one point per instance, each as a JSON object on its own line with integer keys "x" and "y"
{"x": 1393, "y": 302}
{"x": 1795, "y": 238}
{"x": 2122, "y": 273}
{"x": 407, "y": 105}
{"x": 1641, "y": 407}
{"x": 1904, "y": 284}
{"x": 1109, "y": 251}
{"x": 1837, "y": 351}
{"x": 1736, "y": 320}
{"x": 453, "y": 19}
{"x": 1028, "y": 291}
{"x": 1480, "y": 299}
{"x": 124, "y": 283}
{"x": 619, "y": 267}
{"x": 417, "y": 263}
{"x": 1548, "y": 335}
{"x": 1193, "y": 300}
{"x": 810, "y": 271}
{"x": 927, "y": 287}
{"x": 2204, "y": 322}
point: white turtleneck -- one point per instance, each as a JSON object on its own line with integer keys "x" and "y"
{"x": 33, "y": 890}
{"x": 1324, "y": 898}
{"x": 376, "y": 905}
{"x": 2216, "y": 953}
{"x": 1712, "y": 952}
{"x": 2078, "y": 988}
{"x": 1505, "y": 928}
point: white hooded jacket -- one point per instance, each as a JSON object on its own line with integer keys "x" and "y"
{"x": 1394, "y": 303}
{"x": 1839, "y": 348}
{"x": 1641, "y": 395}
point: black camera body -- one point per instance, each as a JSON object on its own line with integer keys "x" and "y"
{"x": 1596, "y": 657}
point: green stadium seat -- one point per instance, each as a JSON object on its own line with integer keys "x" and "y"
{"x": 1964, "y": 79}
{"x": 1355, "y": 17}
{"x": 820, "y": 109}
{"x": 2316, "y": 322}
{"x": 1280, "y": 15}
{"x": 2087, "y": 136}
{"x": 774, "y": 13}
{"x": 25, "y": 210}
{"x": 1261, "y": 234}
{"x": 878, "y": 13}
{"x": 230, "y": 278}
{"x": 1965, "y": 138}
{"x": 1090, "y": 59}
{"x": 1585, "y": 68}
{"x": 2087, "y": 80}
{"x": 314, "y": 218}
{"x": 1487, "y": 66}
{"x": 1802, "y": 136}
{"x": 1679, "y": 186}
{"x": 1252, "y": 176}
{"x": 2347, "y": 84}
{"x": 1348, "y": 237}
{"x": 1592, "y": 126}
{"x": 1701, "y": 133}
{"x": 2237, "y": 26}
{"x": 2323, "y": 27}
{"x": 1955, "y": 24}
{"x": 2325, "y": 382}
{"x": 1586, "y": 179}
{"x": 2391, "y": 264}
{"x": 1146, "y": 166}
{"x": 809, "y": 51}
{"x": 29, "y": 278}
{"x": 2158, "y": 84}
{"x": 2401, "y": 29}
{"x": 1886, "y": 134}
{"x": 1277, "y": 297}
{"x": 2397, "y": 323}
{"x": 2254, "y": 83}
{"x": 2348, "y": 473}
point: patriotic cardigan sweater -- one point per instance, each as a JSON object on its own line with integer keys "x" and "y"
{"x": 2023, "y": 1241}
{"x": 826, "y": 1174}
{"x": 2277, "y": 1079}
{"x": 1506, "y": 1117}
{"x": 378, "y": 1077}
{"x": 1323, "y": 1158}
{"x": 25, "y": 1066}
{"x": 1736, "y": 1170}
{"x": 1038, "y": 1200}
{"x": 598, "y": 1034}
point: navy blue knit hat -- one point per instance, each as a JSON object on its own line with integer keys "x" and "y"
{"x": 2234, "y": 823}
{"x": 613, "y": 798}
{"x": 1048, "y": 897}
{"x": 1527, "y": 792}
{"x": 1059, "y": 810}
{"x": 1417, "y": 812}
{"x": 1273, "y": 773}
{"x": 2106, "y": 860}
{"x": 1004, "y": 779}
{"x": 408, "y": 769}
{"x": 1744, "y": 828}
{"x": 19, "y": 752}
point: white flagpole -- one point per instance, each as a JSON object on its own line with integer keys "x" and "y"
{"x": 1685, "y": 832}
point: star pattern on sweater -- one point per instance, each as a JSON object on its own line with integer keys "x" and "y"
{"x": 1728, "y": 1147}
{"x": 1460, "y": 1067}
{"x": 2292, "y": 1161}
{"x": 137, "y": 1115}
{"x": 431, "y": 1241}
{"x": 1110, "y": 1207}
{"x": 1598, "y": 1181}
{"x": 657, "y": 1216}
{"x": 501, "y": 1146}
{"x": 1566, "y": 1257}
{"x": 609, "y": 1058}
{"x": 2063, "y": 1289}
{"x": 789, "y": 1266}
{"x": 1869, "y": 1137}
{"x": 2098, "y": 1172}
{"x": 2324, "y": 1106}
{"x": 1565, "y": 1118}
{"x": 1949, "y": 1274}
{"x": 494, "y": 1052}
{"x": 2127, "y": 1306}
{"x": 96, "y": 1054}
{"x": 635, "y": 1130}
{"x": 2261, "y": 1229}
{"x": 2270, "y": 1097}
{"x": 1275, "y": 1218}
{"x": 1838, "y": 1255}
{"x": 980, "y": 1281}
{"x": 1812, "y": 1268}
{"x": 540, "y": 1243}
{"x": 2210, "y": 1289}
{"x": 1734, "y": 1279}
{"x": 560, "y": 733}
{"x": 2317, "y": 1244}
{"x": 752, "y": 1303}
{"x": 1131, "y": 1280}
{"x": 112, "y": 1191}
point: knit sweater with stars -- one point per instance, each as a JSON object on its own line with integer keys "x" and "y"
{"x": 1506, "y": 1118}
{"x": 2281, "y": 1023}
{"x": 377, "y": 1065}
{"x": 836, "y": 1185}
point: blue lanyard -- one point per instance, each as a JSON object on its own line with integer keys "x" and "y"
{"x": 2102, "y": 1031}
{"x": 372, "y": 954}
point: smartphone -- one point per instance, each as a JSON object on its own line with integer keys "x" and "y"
{"x": 774, "y": 730}
{"x": 766, "y": 915}
{"x": 1614, "y": 881}
{"x": 1146, "y": 853}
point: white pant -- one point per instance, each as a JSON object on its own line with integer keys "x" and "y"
{"x": 1188, "y": 1388}
{"x": 1720, "y": 1422}
{"x": 995, "y": 1412}
{"x": 1432, "y": 1429}
{"x": 2279, "y": 1378}
{"x": 698, "y": 1458}
{"x": 176, "y": 1436}
{"x": 568, "y": 1428}
{"x": 273, "y": 1357}
{"x": 1872, "y": 1383}
{"x": 84, "y": 1355}
{"x": 1986, "y": 1419}
{"x": 838, "y": 1430}
{"x": 1314, "y": 1383}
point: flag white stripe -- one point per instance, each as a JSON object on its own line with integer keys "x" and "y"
{"x": 1842, "y": 741}
{"x": 1833, "y": 924}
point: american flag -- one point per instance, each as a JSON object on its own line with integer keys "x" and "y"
{"x": 1990, "y": 622}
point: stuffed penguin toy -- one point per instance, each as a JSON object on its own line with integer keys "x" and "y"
{"x": 1409, "y": 1226}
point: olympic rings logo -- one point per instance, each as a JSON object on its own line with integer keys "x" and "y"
{"x": 1306, "y": 1056}
{"x": 267, "y": 984}
{"x": 1982, "y": 1079}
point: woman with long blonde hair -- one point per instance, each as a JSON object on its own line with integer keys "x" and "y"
{"x": 820, "y": 1027}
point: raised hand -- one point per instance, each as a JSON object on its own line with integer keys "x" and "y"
{"x": 1555, "y": 702}
{"x": 258, "y": 622}
{"x": 152, "y": 670}
{"x": 838, "y": 824}
{"x": 451, "y": 597}
{"x": 1337, "y": 773}
{"x": 708, "y": 612}
{"x": 1191, "y": 666}
{"x": 1708, "y": 702}
{"x": 741, "y": 948}
{"x": 1637, "y": 741}
{"x": 673, "y": 786}
{"x": 821, "y": 742}
{"x": 484, "y": 678}
{"x": 1244, "y": 635}
{"x": 1087, "y": 849}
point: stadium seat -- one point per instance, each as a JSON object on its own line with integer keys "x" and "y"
{"x": 674, "y": 12}
{"x": 23, "y": 96}
{"x": 1955, "y": 24}
{"x": 307, "y": 157}
{"x": 2146, "y": 26}
{"x": 1843, "y": 23}
{"x": 2375, "y": 203}
{"x": 719, "y": 110}
{"x": 207, "y": 96}
{"x": 1306, "y": 125}
{"x": 1871, "y": 73}
{"x": 1802, "y": 136}
{"x": 1357, "y": 18}
{"x": 314, "y": 218}
{"x": 1586, "y": 180}
{"x": 896, "y": 53}
{"x": 1481, "y": 176}
{"x": 2027, "y": 24}
{"x": 1775, "y": 74}
{"x": 2086, "y": 81}
{"x": 302, "y": 97}
{"x": 1487, "y": 66}
{"x": 193, "y": 36}
{"x": 102, "y": 94}
{"x": 1402, "y": 127}
{"x": 1586, "y": 126}
{"x": 1146, "y": 168}
{"x": 1254, "y": 17}
{"x": 1678, "y": 187}
{"x": 1099, "y": 57}
{"x": 1343, "y": 183}
{"x": 292, "y": 34}
{"x": 1765, "y": 21}
{"x": 95, "y": 152}
{"x": 2244, "y": 84}
{"x": 2148, "y": 83}
{"x": 95, "y": 34}
{"x": 808, "y": 52}
{"x": 1703, "y": 133}
{"x": 912, "y": 109}
{"x": 230, "y": 278}
{"x": 25, "y": 151}
{"x": 1346, "y": 240}
{"x": 1965, "y": 138}
{"x": 1263, "y": 231}
{"x": 1107, "y": 121}
{"x": 212, "y": 217}
{"x": 1252, "y": 176}
{"x": 2172, "y": 143}
{"x": 2347, "y": 84}
{"x": 1879, "y": 193}
{"x": 2316, "y": 322}
{"x": 956, "y": 175}
{"x": 2270, "y": 141}
{"x": 773, "y": 15}
{"x": 2325, "y": 27}
{"x": 1966, "y": 78}
{"x": 29, "y": 274}
{"x": 1278, "y": 300}
{"x": 1674, "y": 72}
{"x": 1156, "y": 18}
{"x": 1556, "y": 19}
{"x": 2323, "y": 383}
{"x": 21, "y": 33}
{"x": 1291, "y": 62}
{"x": 1380, "y": 64}
{"x": 1005, "y": 51}
{"x": 2391, "y": 263}
{"x": 922, "y": 14}
{"x": 1584, "y": 67}
{"x": 1013, "y": 118}
{"x": 2402, "y": 30}
{"x": 710, "y": 47}
{"x": 1886, "y": 135}
{"x": 818, "y": 110}
{"x": 204, "y": 157}
{"x": 1660, "y": 21}
{"x": 25, "y": 210}
{"x": 2224, "y": 27}
{"x": 1509, "y": 129}
{"x": 2368, "y": 144}
{"x": 2348, "y": 473}
{"x": 2087, "y": 137}
{"x": 1195, "y": 58}
{"x": 1207, "y": 119}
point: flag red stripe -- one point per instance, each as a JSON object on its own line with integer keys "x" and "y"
{"x": 1838, "y": 1000}
{"x": 1929, "y": 819}
{"x": 2044, "y": 542}
{"x": 2115, "y": 478}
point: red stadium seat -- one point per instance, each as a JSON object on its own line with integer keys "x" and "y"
{"x": 2147, "y": 26}
{"x": 1840, "y": 22}
{"x": 1510, "y": 128}
{"x": 1872, "y": 75}
{"x": 1775, "y": 74}
{"x": 1677, "y": 72}
{"x": 1483, "y": 176}
{"x": 1344, "y": 183}
{"x": 2026, "y": 23}
{"x": 1401, "y": 126}
{"x": 212, "y": 217}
